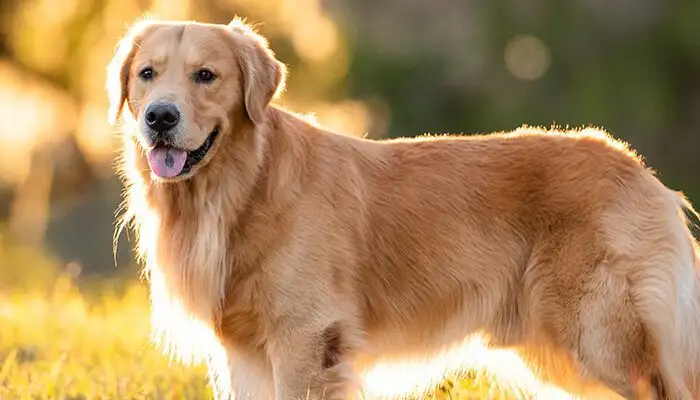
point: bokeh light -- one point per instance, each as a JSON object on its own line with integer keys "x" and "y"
{"x": 527, "y": 57}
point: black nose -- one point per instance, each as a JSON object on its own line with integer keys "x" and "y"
{"x": 162, "y": 116}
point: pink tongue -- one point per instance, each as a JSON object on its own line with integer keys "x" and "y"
{"x": 166, "y": 162}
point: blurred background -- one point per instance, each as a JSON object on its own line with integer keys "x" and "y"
{"x": 382, "y": 68}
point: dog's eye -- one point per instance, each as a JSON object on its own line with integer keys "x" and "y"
{"x": 204, "y": 76}
{"x": 146, "y": 74}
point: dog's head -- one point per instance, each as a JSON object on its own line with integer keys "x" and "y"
{"x": 184, "y": 83}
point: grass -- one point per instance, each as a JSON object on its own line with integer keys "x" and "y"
{"x": 58, "y": 345}
{"x": 61, "y": 344}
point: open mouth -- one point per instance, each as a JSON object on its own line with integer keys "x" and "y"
{"x": 169, "y": 162}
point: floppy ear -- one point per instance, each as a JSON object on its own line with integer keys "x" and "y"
{"x": 119, "y": 69}
{"x": 263, "y": 75}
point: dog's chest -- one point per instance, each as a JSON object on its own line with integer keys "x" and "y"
{"x": 241, "y": 323}
{"x": 245, "y": 309}
{"x": 214, "y": 275}
{"x": 191, "y": 257}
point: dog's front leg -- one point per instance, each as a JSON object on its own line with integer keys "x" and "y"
{"x": 311, "y": 364}
{"x": 251, "y": 376}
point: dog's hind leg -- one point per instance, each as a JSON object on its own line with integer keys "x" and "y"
{"x": 613, "y": 345}
{"x": 619, "y": 346}
{"x": 595, "y": 317}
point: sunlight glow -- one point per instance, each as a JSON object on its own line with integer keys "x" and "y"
{"x": 316, "y": 41}
{"x": 30, "y": 114}
{"x": 504, "y": 366}
{"x": 166, "y": 9}
{"x": 347, "y": 117}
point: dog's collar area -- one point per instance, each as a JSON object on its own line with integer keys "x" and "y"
{"x": 195, "y": 156}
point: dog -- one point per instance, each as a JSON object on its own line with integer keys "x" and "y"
{"x": 291, "y": 258}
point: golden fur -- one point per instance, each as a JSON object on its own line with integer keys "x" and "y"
{"x": 292, "y": 257}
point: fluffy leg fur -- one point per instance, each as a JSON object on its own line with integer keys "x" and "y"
{"x": 654, "y": 251}
{"x": 311, "y": 366}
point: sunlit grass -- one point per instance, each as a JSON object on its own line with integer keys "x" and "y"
{"x": 61, "y": 344}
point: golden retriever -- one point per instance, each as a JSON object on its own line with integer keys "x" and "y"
{"x": 292, "y": 258}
